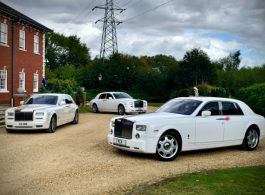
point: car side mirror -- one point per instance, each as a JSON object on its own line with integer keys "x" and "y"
{"x": 206, "y": 113}
{"x": 21, "y": 102}
{"x": 63, "y": 103}
{"x": 110, "y": 98}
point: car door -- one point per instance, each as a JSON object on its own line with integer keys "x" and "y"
{"x": 209, "y": 130}
{"x": 62, "y": 111}
{"x": 233, "y": 120}
{"x": 109, "y": 103}
{"x": 100, "y": 102}
{"x": 70, "y": 108}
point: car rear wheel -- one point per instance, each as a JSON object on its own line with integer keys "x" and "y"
{"x": 121, "y": 110}
{"x": 168, "y": 147}
{"x": 251, "y": 140}
{"x": 95, "y": 108}
{"x": 76, "y": 119}
{"x": 53, "y": 125}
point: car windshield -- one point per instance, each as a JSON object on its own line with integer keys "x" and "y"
{"x": 185, "y": 107}
{"x": 44, "y": 99}
{"x": 121, "y": 95}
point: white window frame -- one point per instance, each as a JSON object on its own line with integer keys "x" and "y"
{"x": 36, "y": 43}
{"x": 22, "y": 78}
{"x": 22, "y": 40}
{"x": 36, "y": 82}
{"x": 4, "y": 33}
{"x": 4, "y": 90}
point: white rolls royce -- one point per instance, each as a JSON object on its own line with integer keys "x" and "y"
{"x": 42, "y": 111}
{"x": 184, "y": 124}
{"x": 117, "y": 102}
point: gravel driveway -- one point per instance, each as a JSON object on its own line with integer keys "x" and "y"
{"x": 77, "y": 159}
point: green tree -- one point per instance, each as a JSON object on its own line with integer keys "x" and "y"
{"x": 232, "y": 61}
{"x": 42, "y": 89}
{"x": 57, "y": 87}
{"x": 69, "y": 91}
{"x": 79, "y": 96}
{"x": 195, "y": 68}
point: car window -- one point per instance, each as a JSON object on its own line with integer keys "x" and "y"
{"x": 121, "y": 95}
{"x": 230, "y": 108}
{"x": 211, "y": 106}
{"x": 102, "y": 96}
{"x": 109, "y": 95}
{"x": 42, "y": 99}
{"x": 186, "y": 107}
{"x": 68, "y": 100}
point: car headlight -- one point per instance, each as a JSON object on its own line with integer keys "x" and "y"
{"x": 10, "y": 114}
{"x": 141, "y": 127}
{"x": 145, "y": 104}
{"x": 130, "y": 103}
{"x": 39, "y": 114}
{"x": 112, "y": 123}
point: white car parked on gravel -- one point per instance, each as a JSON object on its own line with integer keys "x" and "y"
{"x": 117, "y": 102}
{"x": 42, "y": 111}
{"x": 184, "y": 124}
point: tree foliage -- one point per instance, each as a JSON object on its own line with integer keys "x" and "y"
{"x": 232, "y": 61}
{"x": 69, "y": 91}
{"x": 42, "y": 89}
{"x": 57, "y": 87}
{"x": 79, "y": 96}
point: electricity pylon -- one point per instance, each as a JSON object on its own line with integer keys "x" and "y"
{"x": 109, "y": 43}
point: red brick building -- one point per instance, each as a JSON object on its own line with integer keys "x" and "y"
{"x": 28, "y": 43}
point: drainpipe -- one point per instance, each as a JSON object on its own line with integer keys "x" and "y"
{"x": 13, "y": 55}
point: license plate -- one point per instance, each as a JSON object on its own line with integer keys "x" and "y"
{"x": 21, "y": 124}
{"x": 119, "y": 141}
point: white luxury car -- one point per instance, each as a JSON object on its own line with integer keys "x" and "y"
{"x": 117, "y": 102}
{"x": 184, "y": 124}
{"x": 42, "y": 111}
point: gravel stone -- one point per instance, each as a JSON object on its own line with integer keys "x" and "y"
{"x": 77, "y": 159}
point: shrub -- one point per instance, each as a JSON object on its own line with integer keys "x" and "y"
{"x": 42, "y": 89}
{"x": 69, "y": 91}
{"x": 254, "y": 97}
{"x": 180, "y": 93}
{"x": 79, "y": 96}
{"x": 63, "y": 83}
{"x": 57, "y": 87}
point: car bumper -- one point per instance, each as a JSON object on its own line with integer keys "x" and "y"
{"x": 27, "y": 125}
{"x": 132, "y": 110}
{"x": 134, "y": 145}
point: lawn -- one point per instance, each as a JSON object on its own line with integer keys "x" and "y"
{"x": 85, "y": 109}
{"x": 232, "y": 181}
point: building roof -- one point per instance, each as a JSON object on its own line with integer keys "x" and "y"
{"x": 16, "y": 14}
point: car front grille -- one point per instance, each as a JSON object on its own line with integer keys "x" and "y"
{"x": 123, "y": 128}
{"x": 138, "y": 104}
{"x": 23, "y": 116}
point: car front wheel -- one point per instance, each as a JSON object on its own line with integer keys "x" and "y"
{"x": 121, "y": 110}
{"x": 53, "y": 125}
{"x": 168, "y": 147}
{"x": 95, "y": 108}
{"x": 251, "y": 140}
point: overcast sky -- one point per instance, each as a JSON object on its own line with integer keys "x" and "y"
{"x": 217, "y": 27}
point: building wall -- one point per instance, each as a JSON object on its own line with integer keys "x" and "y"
{"x": 23, "y": 59}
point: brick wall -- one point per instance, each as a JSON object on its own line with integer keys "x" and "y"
{"x": 23, "y": 59}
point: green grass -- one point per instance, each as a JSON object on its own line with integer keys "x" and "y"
{"x": 232, "y": 181}
{"x": 155, "y": 104}
{"x": 85, "y": 109}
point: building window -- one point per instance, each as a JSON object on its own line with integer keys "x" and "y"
{"x": 22, "y": 39}
{"x": 36, "y": 44}
{"x": 3, "y": 33}
{"x": 36, "y": 83}
{"x": 22, "y": 80}
{"x": 3, "y": 81}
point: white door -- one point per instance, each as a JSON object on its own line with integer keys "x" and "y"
{"x": 70, "y": 108}
{"x": 101, "y": 102}
{"x": 234, "y": 122}
{"x": 209, "y": 130}
{"x": 109, "y": 103}
{"x": 62, "y": 116}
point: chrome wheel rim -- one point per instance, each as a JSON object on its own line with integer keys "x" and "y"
{"x": 167, "y": 146}
{"x": 252, "y": 138}
{"x": 121, "y": 110}
{"x": 94, "y": 108}
{"x": 53, "y": 124}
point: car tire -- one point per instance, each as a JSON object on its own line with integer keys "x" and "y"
{"x": 141, "y": 112}
{"x": 121, "y": 110}
{"x": 10, "y": 131}
{"x": 95, "y": 108}
{"x": 168, "y": 147}
{"x": 53, "y": 125}
{"x": 76, "y": 118}
{"x": 251, "y": 139}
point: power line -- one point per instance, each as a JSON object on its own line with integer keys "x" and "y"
{"x": 148, "y": 11}
{"x": 79, "y": 14}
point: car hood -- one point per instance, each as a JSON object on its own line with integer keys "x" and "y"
{"x": 154, "y": 116}
{"x": 31, "y": 108}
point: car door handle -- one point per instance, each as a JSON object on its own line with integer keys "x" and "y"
{"x": 221, "y": 119}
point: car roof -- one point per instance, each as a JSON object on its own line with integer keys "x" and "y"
{"x": 209, "y": 99}
{"x": 44, "y": 94}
